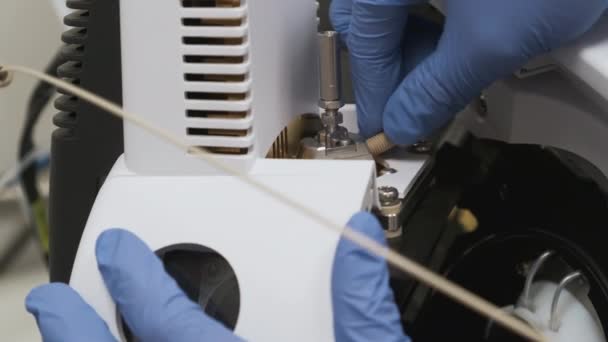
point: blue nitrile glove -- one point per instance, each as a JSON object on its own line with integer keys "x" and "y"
{"x": 483, "y": 41}
{"x": 150, "y": 301}
{"x": 156, "y": 309}
{"x": 363, "y": 302}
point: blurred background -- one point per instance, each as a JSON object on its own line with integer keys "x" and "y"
{"x": 30, "y": 35}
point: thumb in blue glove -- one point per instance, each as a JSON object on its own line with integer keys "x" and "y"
{"x": 151, "y": 302}
{"x": 363, "y": 302}
{"x": 482, "y": 41}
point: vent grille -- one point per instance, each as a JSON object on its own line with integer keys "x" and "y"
{"x": 71, "y": 70}
{"x": 215, "y": 55}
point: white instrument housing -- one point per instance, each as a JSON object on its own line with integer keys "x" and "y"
{"x": 231, "y": 78}
{"x": 226, "y": 78}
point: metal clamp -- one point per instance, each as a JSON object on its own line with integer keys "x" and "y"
{"x": 525, "y": 300}
{"x": 554, "y": 322}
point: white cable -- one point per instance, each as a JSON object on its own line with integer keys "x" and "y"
{"x": 402, "y": 263}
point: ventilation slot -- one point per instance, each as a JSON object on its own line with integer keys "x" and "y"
{"x": 222, "y": 150}
{"x": 215, "y": 114}
{"x": 212, "y": 41}
{"x": 214, "y": 96}
{"x": 214, "y": 59}
{"x": 218, "y": 132}
{"x": 211, "y": 3}
{"x": 211, "y": 22}
{"x": 216, "y": 77}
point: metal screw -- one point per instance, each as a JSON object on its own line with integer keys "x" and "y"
{"x": 388, "y": 195}
{"x": 481, "y": 107}
{"x": 421, "y": 147}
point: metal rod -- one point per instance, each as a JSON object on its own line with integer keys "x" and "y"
{"x": 329, "y": 67}
{"x": 530, "y": 278}
{"x": 553, "y": 320}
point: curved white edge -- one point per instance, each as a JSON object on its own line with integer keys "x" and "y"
{"x": 60, "y": 8}
{"x": 587, "y": 58}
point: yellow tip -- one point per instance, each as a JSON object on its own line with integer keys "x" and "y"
{"x": 467, "y": 220}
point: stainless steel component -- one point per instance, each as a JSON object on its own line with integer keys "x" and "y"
{"x": 553, "y": 320}
{"x": 421, "y": 147}
{"x": 330, "y": 91}
{"x": 388, "y": 195}
{"x": 525, "y": 300}
{"x": 315, "y": 148}
{"x": 331, "y": 120}
{"x": 390, "y": 211}
{"x": 329, "y": 65}
{"x": 333, "y": 141}
{"x": 333, "y": 135}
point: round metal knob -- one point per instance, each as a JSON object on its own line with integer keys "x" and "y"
{"x": 388, "y": 195}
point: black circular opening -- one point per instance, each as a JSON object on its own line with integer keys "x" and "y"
{"x": 207, "y": 279}
{"x": 493, "y": 269}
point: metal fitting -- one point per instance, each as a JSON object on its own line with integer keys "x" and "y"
{"x": 388, "y": 196}
{"x": 525, "y": 300}
{"x": 421, "y": 147}
{"x": 390, "y": 210}
{"x": 329, "y": 69}
{"x": 554, "y": 321}
{"x": 331, "y": 120}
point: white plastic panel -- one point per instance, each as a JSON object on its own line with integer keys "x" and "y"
{"x": 215, "y": 31}
{"x": 220, "y": 123}
{"x": 284, "y": 59}
{"x": 241, "y": 142}
{"x": 236, "y": 50}
{"x": 587, "y": 58}
{"x": 236, "y": 106}
{"x": 188, "y": 69}
{"x": 282, "y": 259}
{"x": 223, "y": 69}
{"x": 220, "y": 87}
{"x": 215, "y": 13}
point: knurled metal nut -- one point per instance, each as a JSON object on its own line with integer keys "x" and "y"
{"x": 331, "y": 105}
{"x": 394, "y": 209}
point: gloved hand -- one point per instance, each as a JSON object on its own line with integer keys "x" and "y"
{"x": 482, "y": 41}
{"x": 150, "y": 301}
{"x": 156, "y": 309}
{"x": 363, "y": 302}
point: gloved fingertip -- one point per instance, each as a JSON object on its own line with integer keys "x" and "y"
{"x": 109, "y": 242}
{"x": 369, "y": 125}
{"x": 62, "y": 315}
{"x": 47, "y": 295}
{"x": 349, "y": 253}
{"x": 366, "y": 223}
{"x": 363, "y": 302}
{"x": 424, "y": 101}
